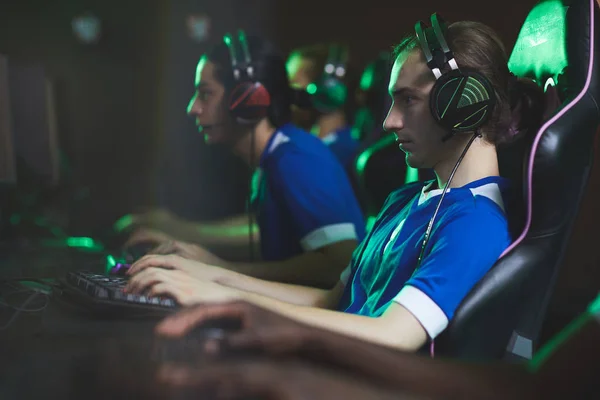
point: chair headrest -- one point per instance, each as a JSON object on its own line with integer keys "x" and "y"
{"x": 540, "y": 52}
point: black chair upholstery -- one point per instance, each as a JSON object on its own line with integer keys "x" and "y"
{"x": 380, "y": 169}
{"x": 507, "y": 307}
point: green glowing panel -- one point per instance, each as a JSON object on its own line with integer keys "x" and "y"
{"x": 82, "y": 243}
{"x": 540, "y": 51}
{"x": 85, "y": 243}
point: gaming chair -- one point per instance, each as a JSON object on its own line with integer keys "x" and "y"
{"x": 503, "y": 314}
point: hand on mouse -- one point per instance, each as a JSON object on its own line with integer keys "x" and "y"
{"x": 272, "y": 379}
{"x": 179, "y": 285}
{"x": 193, "y": 268}
{"x": 261, "y": 329}
{"x": 188, "y": 250}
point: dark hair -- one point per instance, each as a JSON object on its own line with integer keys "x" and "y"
{"x": 269, "y": 69}
{"x": 519, "y": 102}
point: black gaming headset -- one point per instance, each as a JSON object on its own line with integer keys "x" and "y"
{"x": 249, "y": 100}
{"x": 462, "y": 100}
{"x": 329, "y": 92}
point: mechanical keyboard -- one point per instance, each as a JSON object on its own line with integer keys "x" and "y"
{"x": 106, "y": 292}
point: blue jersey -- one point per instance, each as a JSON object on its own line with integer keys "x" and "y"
{"x": 343, "y": 145}
{"x": 303, "y": 198}
{"x": 469, "y": 234}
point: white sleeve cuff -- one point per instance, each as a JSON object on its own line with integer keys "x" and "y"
{"x": 328, "y": 235}
{"x": 429, "y": 314}
{"x": 345, "y": 275}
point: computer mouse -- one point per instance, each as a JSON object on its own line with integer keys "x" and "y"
{"x": 138, "y": 250}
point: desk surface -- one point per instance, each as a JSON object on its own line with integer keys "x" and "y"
{"x": 54, "y": 347}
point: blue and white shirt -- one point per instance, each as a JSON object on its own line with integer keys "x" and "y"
{"x": 469, "y": 234}
{"x": 343, "y": 145}
{"x": 303, "y": 198}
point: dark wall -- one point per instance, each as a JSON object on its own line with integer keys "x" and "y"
{"x": 370, "y": 27}
{"x": 106, "y": 94}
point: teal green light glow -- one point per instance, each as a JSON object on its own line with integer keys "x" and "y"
{"x": 370, "y": 222}
{"x": 123, "y": 223}
{"x": 540, "y": 50}
{"x": 412, "y": 175}
{"x": 110, "y": 262}
{"x": 367, "y": 78}
{"x": 84, "y": 242}
{"x": 293, "y": 64}
{"x": 311, "y": 88}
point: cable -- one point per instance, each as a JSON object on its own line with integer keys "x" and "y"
{"x": 21, "y": 309}
{"x": 437, "y": 208}
{"x": 432, "y": 220}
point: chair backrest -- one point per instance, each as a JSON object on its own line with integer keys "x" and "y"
{"x": 506, "y": 308}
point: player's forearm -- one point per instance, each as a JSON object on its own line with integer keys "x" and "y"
{"x": 320, "y": 268}
{"x": 373, "y": 330}
{"x": 287, "y": 293}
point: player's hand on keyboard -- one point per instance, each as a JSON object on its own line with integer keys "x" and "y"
{"x": 262, "y": 330}
{"x": 188, "y": 250}
{"x": 193, "y": 268}
{"x": 180, "y": 286}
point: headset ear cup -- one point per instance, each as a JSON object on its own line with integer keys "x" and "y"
{"x": 330, "y": 94}
{"x": 462, "y": 101}
{"x": 249, "y": 102}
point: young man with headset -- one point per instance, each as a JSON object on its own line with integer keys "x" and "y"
{"x": 453, "y": 102}
{"x": 308, "y": 217}
{"x": 320, "y": 70}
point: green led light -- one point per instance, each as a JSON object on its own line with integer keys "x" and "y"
{"x": 311, "y": 88}
{"x": 84, "y": 242}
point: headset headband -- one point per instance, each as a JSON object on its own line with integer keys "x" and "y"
{"x": 336, "y": 61}
{"x": 433, "y": 43}
{"x": 237, "y": 65}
